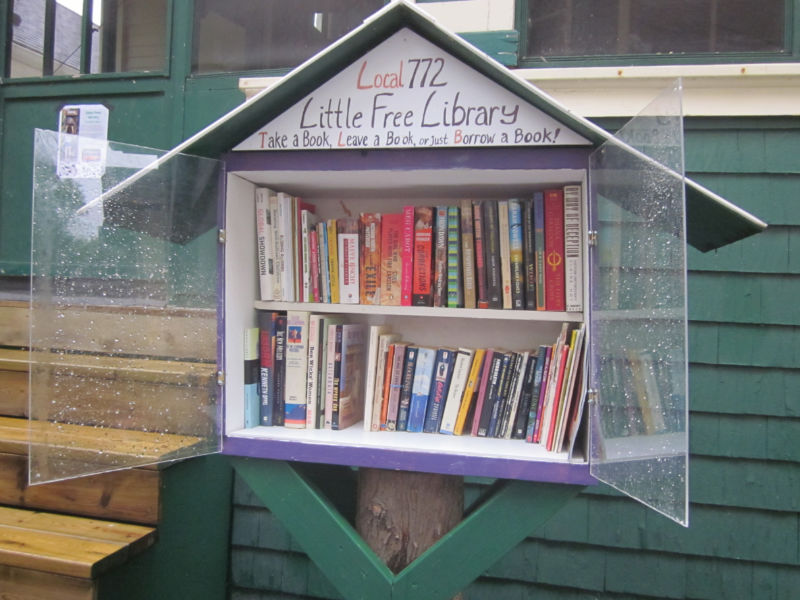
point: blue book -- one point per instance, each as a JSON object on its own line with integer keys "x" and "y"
{"x": 407, "y": 382}
{"x": 516, "y": 252}
{"x": 420, "y": 389}
{"x": 442, "y": 371}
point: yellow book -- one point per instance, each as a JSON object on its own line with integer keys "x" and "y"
{"x": 472, "y": 383}
{"x": 333, "y": 261}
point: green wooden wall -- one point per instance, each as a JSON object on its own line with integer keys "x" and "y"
{"x": 744, "y": 537}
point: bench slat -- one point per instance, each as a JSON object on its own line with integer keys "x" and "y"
{"x": 37, "y": 585}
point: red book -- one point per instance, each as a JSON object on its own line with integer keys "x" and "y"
{"x": 422, "y": 286}
{"x": 554, "y": 277}
{"x": 391, "y": 259}
{"x": 313, "y": 243}
{"x": 369, "y": 230}
{"x": 408, "y": 255}
{"x": 562, "y": 361}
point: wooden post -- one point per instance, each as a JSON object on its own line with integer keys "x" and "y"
{"x": 401, "y": 514}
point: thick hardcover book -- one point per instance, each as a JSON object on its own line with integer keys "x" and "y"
{"x": 491, "y": 247}
{"x": 264, "y": 243}
{"x": 313, "y": 243}
{"x": 489, "y": 383}
{"x": 500, "y": 393}
{"x": 422, "y": 282}
{"x": 391, "y": 259}
{"x": 469, "y": 396}
{"x": 573, "y": 249}
{"x": 252, "y": 375}
{"x": 440, "y": 257}
{"x": 480, "y": 254}
{"x": 407, "y": 278}
{"x": 324, "y": 273}
{"x": 554, "y": 281}
{"x": 370, "y": 259}
{"x": 523, "y": 409}
{"x": 515, "y": 242}
{"x": 267, "y": 324}
{"x": 442, "y": 372}
{"x": 373, "y": 345}
{"x": 406, "y": 384}
{"x": 333, "y": 260}
{"x": 458, "y": 383}
{"x": 421, "y": 388}
{"x": 395, "y": 384}
{"x": 505, "y": 252}
{"x": 533, "y": 407}
{"x": 528, "y": 255}
{"x": 455, "y": 283}
{"x": 538, "y": 248}
{"x": 468, "y": 255}
{"x": 347, "y": 236}
{"x": 351, "y": 377}
{"x": 383, "y": 366}
{"x": 280, "y": 371}
{"x": 296, "y": 368}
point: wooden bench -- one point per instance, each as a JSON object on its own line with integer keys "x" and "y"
{"x": 93, "y": 523}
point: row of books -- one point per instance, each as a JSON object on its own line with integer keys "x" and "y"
{"x": 318, "y": 371}
{"x": 520, "y": 253}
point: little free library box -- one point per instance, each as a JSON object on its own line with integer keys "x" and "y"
{"x": 399, "y": 256}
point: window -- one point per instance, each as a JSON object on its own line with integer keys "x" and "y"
{"x": 245, "y": 35}
{"x": 69, "y": 37}
{"x": 672, "y": 29}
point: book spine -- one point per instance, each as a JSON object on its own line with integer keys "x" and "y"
{"x": 264, "y": 243}
{"x": 406, "y": 384}
{"x": 370, "y": 259}
{"x": 538, "y": 246}
{"x": 440, "y": 256}
{"x": 488, "y": 394}
{"x": 468, "y": 255}
{"x": 296, "y": 368}
{"x": 252, "y": 387}
{"x": 523, "y": 409}
{"x": 537, "y": 431}
{"x": 395, "y": 384}
{"x": 324, "y": 273}
{"x": 351, "y": 377}
{"x": 528, "y": 255}
{"x": 500, "y": 394}
{"x": 458, "y": 382}
{"x": 373, "y": 347}
{"x": 391, "y": 259}
{"x": 491, "y": 235}
{"x": 285, "y": 251}
{"x": 280, "y": 370}
{"x": 347, "y": 239}
{"x": 387, "y": 386}
{"x": 274, "y": 214}
{"x": 313, "y": 244}
{"x": 455, "y": 286}
{"x": 307, "y": 222}
{"x": 383, "y": 365}
{"x": 516, "y": 254}
{"x": 333, "y": 260}
{"x": 505, "y": 253}
{"x": 330, "y": 364}
{"x": 533, "y": 409}
{"x": 420, "y": 390}
{"x": 510, "y": 411}
{"x": 312, "y": 372}
{"x": 407, "y": 278}
{"x": 442, "y": 371}
{"x": 267, "y": 323}
{"x": 480, "y": 254}
{"x": 573, "y": 248}
{"x": 422, "y": 289}
{"x": 470, "y": 392}
{"x": 555, "y": 298}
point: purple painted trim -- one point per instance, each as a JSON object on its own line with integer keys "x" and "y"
{"x": 221, "y": 206}
{"x": 405, "y": 160}
{"x": 402, "y": 460}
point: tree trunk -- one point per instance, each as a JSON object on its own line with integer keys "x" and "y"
{"x": 401, "y": 514}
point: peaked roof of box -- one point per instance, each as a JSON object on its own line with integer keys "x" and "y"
{"x": 712, "y": 221}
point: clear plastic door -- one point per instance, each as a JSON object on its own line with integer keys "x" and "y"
{"x": 639, "y": 408}
{"x": 123, "y": 321}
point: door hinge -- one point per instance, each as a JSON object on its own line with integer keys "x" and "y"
{"x": 221, "y": 236}
{"x": 220, "y": 378}
{"x": 592, "y": 237}
{"x": 591, "y": 396}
